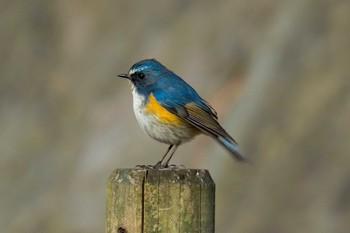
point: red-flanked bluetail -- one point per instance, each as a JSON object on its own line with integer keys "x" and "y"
{"x": 170, "y": 111}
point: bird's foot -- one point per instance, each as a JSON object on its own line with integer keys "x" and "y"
{"x": 145, "y": 166}
{"x": 156, "y": 166}
{"x": 161, "y": 166}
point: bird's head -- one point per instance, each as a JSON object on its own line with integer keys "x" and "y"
{"x": 144, "y": 75}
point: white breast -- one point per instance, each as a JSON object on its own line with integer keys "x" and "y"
{"x": 139, "y": 103}
{"x": 166, "y": 133}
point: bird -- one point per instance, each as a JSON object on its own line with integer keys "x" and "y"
{"x": 170, "y": 111}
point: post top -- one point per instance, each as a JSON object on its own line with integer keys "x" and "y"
{"x": 140, "y": 175}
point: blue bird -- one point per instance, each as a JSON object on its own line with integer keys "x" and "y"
{"x": 170, "y": 111}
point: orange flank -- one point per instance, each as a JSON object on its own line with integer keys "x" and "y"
{"x": 163, "y": 115}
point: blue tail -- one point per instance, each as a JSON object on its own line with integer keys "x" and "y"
{"x": 232, "y": 147}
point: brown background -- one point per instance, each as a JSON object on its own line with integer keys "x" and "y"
{"x": 278, "y": 73}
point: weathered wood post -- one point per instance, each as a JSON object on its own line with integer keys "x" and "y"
{"x": 160, "y": 200}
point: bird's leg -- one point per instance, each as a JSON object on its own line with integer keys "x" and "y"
{"x": 171, "y": 155}
{"x": 159, "y": 164}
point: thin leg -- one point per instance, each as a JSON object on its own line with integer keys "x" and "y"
{"x": 169, "y": 148}
{"x": 171, "y": 155}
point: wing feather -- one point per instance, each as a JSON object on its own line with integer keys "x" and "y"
{"x": 205, "y": 121}
{"x": 201, "y": 115}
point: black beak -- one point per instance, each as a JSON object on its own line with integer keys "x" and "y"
{"x": 124, "y": 76}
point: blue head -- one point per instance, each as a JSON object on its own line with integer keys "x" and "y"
{"x": 145, "y": 74}
{"x": 150, "y": 75}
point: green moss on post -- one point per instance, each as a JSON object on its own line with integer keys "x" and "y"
{"x": 165, "y": 200}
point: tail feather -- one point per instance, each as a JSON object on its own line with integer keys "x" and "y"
{"x": 232, "y": 147}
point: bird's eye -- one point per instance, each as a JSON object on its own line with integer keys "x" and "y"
{"x": 141, "y": 75}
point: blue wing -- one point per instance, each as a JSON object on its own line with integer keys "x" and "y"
{"x": 183, "y": 101}
{"x": 180, "y": 94}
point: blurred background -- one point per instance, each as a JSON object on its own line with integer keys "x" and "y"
{"x": 277, "y": 72}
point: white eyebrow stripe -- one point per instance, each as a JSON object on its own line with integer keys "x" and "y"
{"x": 132, "y": 71}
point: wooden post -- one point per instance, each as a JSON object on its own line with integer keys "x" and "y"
{"x": 160, "y": 200}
